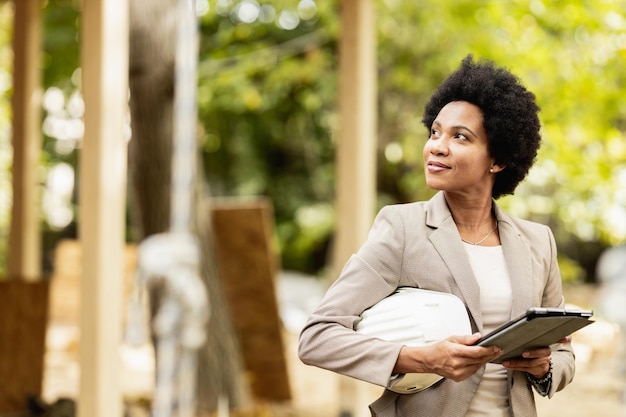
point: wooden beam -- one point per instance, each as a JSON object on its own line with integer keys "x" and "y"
{"x": 24, "y": 252}
{"x": 356, "y": 147}
{"x": 104, "y": 56}
{"x": 356, "y": 154}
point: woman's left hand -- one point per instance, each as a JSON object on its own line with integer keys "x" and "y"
{"x": 536, "y": 362}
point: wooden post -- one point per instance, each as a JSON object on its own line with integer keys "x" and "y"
{"x": 24, "y": 297}
{"x": 356, "y": 151}
{"x": 24, "y": 252}
{"x": 104, "y": 56}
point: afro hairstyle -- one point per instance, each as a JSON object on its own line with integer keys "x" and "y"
{"x": 510, "y": 116}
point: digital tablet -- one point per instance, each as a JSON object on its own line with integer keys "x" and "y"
{"x": 536, "y": 328}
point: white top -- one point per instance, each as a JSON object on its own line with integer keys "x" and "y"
{"x": 489, "y": 267}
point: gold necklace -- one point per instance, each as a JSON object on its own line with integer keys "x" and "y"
{"x": 484, "y": 238}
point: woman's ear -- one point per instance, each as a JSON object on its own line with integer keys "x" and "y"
{"x": 495, "y": 168}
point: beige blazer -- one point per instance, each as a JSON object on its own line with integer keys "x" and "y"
{"x": 418, "y": 245}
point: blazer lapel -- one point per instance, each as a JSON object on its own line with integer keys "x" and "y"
{"x": 518, "y": 259}
{"x": 447, "y": 241}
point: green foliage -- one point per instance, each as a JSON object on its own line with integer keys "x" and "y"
{"x": 61, "y": 50}
{"x": 267, "y": 106}
{"x": 571, "y": 56}
{"x": 267, "y": 96}
{"x": 571, "y": 270}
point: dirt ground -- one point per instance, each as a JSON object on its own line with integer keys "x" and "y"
{"x": 597, "y": 391}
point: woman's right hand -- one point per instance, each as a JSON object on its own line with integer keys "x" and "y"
{"x": 454, "y": 358}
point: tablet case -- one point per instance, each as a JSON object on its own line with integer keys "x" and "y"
{"x": 538, "y": 327}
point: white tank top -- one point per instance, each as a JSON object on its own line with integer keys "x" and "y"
{"x": 489, "y": 267}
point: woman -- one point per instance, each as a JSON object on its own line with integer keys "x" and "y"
{"x": 484, "y": 137}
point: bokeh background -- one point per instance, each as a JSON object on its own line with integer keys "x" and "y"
{"x": 268, "y": 115}
{"x": 267, "y": 100}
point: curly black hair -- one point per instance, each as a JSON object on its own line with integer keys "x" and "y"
{"x": 510, "y": 116}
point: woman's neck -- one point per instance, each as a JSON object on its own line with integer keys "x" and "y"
{"x": 471, "y": 214}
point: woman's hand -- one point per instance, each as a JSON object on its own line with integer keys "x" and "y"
{"x": 535, "y": 361}
{"x": 454, "y": 358}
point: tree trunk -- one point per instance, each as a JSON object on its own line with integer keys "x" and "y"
{"x": 152, "y": 52}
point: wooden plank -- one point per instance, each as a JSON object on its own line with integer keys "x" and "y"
{"x": 23, "y": 313}
{"x": 247, "y": 264}
{"x": 65, "y": 283}
{"x": 102, "y": 198}
{"x": 356, "y": 150}
{"x": 24, "y": 252}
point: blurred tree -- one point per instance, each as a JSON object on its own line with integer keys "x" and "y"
{"x": 152, "y": 62}
{"x": 267, "y": 102}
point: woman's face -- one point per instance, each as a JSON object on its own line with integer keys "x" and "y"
{"x": 456, "y": 155}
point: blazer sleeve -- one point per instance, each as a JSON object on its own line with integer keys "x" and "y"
{"x": 563, "y": 359}
{"x": 328, "y": 340}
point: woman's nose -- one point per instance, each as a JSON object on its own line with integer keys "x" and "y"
{"x": 437, "y": 146}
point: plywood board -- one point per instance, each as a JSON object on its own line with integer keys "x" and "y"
{"x": 23, "y": 319}
{"x": 247, "y": 263}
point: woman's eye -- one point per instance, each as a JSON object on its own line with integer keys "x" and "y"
{"x": 461, "y": 136}
{"x": 434, "y": 132}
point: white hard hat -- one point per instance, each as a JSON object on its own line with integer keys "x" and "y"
{"x": 415, "y": 317}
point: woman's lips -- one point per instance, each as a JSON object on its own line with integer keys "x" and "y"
{"x": 434, "y": 166}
